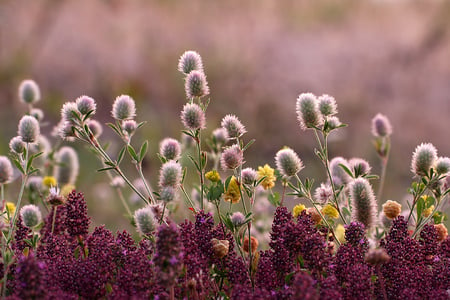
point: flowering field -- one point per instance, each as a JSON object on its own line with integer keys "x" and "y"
{"x": 337, "y": 242}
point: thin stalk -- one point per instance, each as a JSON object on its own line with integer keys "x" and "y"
{"x": 384, "y": 162}
{"x": 188, "y": 199}
{"x": 54, "y": 218}
{"x": 124, "y": 203}
{"x": 200, "y": 164}
{"x": 147, "y": 187}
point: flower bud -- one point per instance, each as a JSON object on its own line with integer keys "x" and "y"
{"x": 29, "y": 129}
{"x": 220, "y": 247}
{"x": 269, "y": 174}
{"x": 31, "y": 215}
{"x": 443, "y": 165}
{"x": 308, "y": 112}
{"x": 70, "y": 113}
{"x": 54, "y": 197}
{"x": 297, "y": 210}
{"x": 330, "y": 211}
{"x": 193, "y": 117}
{"x": 237, "y": 218}
{"x": 170, "y": 149}
{"x": 377, "y": 256}
{"x": 381, "y": 127}
{"x": 363, "y": 202}
{"x": 6, "y": 170}
{"x": 232, "y": 192}
{"x": 327, "y": 105}
{"x": 49, "y": 181}
{"x": 333, "y": 122}
{"x": 37, "y": 113}
{"x": 16, "y": 145}
{"x": 86, "y": 104}
{"x": 442, "y": 232}
{"x": 124, "y": 108}
{"x": 424, "y": 158}
{"x": 29, "y": 92}
{"x": 249, "y": 176}
{"x": 288, "y": 163}
{"x": 392, "y": 209}
{"x": 117, "y": 182}
{"x": 340, "y": 177}
{"x": 66, "y": 169}
{"x": 167, "y": 194}
{"x": 253, "y": 244}
{"x": 220, "y": 136}
{"x": 145, "y": 220}
{"x": 190, "y": 61}
{"x": 170, "y": 174}
{"x": 232, "y": 157}
{"x": 233, "y": 126}
{"x": 359, "y": 166}
{"x": 323, "y": 193}
{"x": 315, "y": 216}
{"x": 213, "y": 176}
{"x": 129, "y": 127}
{"x": 34, "y": 184}
{"x": 95, "y": 127}
{"x": 196, "y": 84}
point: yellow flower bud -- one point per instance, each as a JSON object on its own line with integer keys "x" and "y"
{"x": 340, "y": 233}
{"x": 213, "y": 176}
{"x": 330, "y": 211}
{"x": 441, "y": 231}
{"x": 392, "y": 209}
{"x": 427, "y": 212}
{"x": 10, "y": 208}
{"x": 49, "y": 181}
{"x": 297, "y": 210}
{"x": 232, "y": 193}
{"x": 269, "y": 173}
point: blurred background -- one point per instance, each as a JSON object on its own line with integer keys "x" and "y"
{"x": 391, "y": 57}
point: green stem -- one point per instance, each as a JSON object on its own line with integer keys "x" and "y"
{"x": 54, "y": 218}
{"x": 147, "y": 187}
{"x": 384, "y": 162}
{"x": 190, "y": 203}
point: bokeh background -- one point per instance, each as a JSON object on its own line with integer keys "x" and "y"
{"x": 391, "y": 57}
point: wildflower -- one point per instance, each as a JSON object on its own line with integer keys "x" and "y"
{"x": 30, "y": 275}
{"x": 253, "y": 244}
{"x": 269, "y": 174}
{"x": 288, "y": 162}
{"x": 381, "y": 127}
{"x": 170, "y": 174}
{"x": 77, "y": 220}
{"x": 145, "y": 220}
{"x": 443, "y": 165}
{"x": 232, "y": 157}
{"x": 340, "y": 233}
{"x": 424, "y": 158}
{"x": 85, "y": 105}
{"x": 10, "y": 208}
{"x": 66, "y": 169}
{"x": 31, "y": 215}
{"x": 190, "y": 61}
{"x": 323, "y": 193}
{"x": 196, "y": 84}
{"x": 117, "y": 182}
{"x": 232, "y": 192}
{"x": 330, "y": 211}
{"x": 54, "y": 197}
{"x": 237, "y": 218}
{"x": 167, "y": 193}
{"x": 193, "y": 117}
{"x": 233, "y": 126}
{"x": 315, "y": 216}
{"x": 220, "y": 247}
{"x": 359, "y": 166}
{"x": 308, "y": 112}
{"x": 442, "y": 232}
{"x": 67, "y": 189}
{"x": 392, "y": 209}
{"x": 37, "y": 113}
{"x": 6, "y": 170}
{"x": 297, "y": 210}
{"x": 64, "y": 130}
{"x": 16, "y": 145}
{"x": 340, "y": 177}
{"x": 129, "y": 127}
{"x": 427, "y": 212}
{"x": 213, "y": 176}
{"x": 170, "y": 149}
{"x": 34, "y": 183}
{"x": 123, "y": 108}
{"x": 29, "y": 92}
{"x": 29, "y": 129}
{"x": 363, "y": 202}
{"x": 70, "y": 113}
{"x": 49, "y": 181}
{"x": 95, "y": 127}
{"x": 249, "y": 176}
{"x": 327, "y": 105}
{"x": 333, "y": 122}
{"x": 220, "y": 136}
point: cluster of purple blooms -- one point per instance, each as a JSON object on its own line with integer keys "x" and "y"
{"x": 180, "y": 262}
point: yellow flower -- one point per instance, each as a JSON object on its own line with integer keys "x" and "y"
{"x": 330, "y": 211}
{"x": 340, "y": 233}
{"x": 427, "y": 212}
{"x": 297, "y": 210}
{"x": 392, "y": 209}
{"x": 10, "y": 208}
{"x": 269, "y": 173}
{"x": 213, "y": 176}
{"x": 232, "y": 194}
{"x": 49, "y": 181}
{"x": 67, "y": 189}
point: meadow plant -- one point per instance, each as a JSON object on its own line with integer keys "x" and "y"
{"x": 339, "y": 241}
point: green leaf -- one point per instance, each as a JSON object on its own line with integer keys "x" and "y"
{"x": 120, "y": 156}
{"x": 141, "y": 124}
{"x": 132, "y": 153}
{"x": 143, "y": 151}
{"x": 274, "y": 199}
{"x": 227, "y": 182}
{"x": 19, "y": 166}
{"x": 106, "y": 169}
{"x": 347, "y": 170}
{"x": 113, "y": 127}
{"x": 195, "y": 163}
{"x": 76, "y": 253}
{"x": 248, "y": 144}
{"x": 346, "y": 212}
{"x": 420, "y": 207}
{"x": 109, "y": 163}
